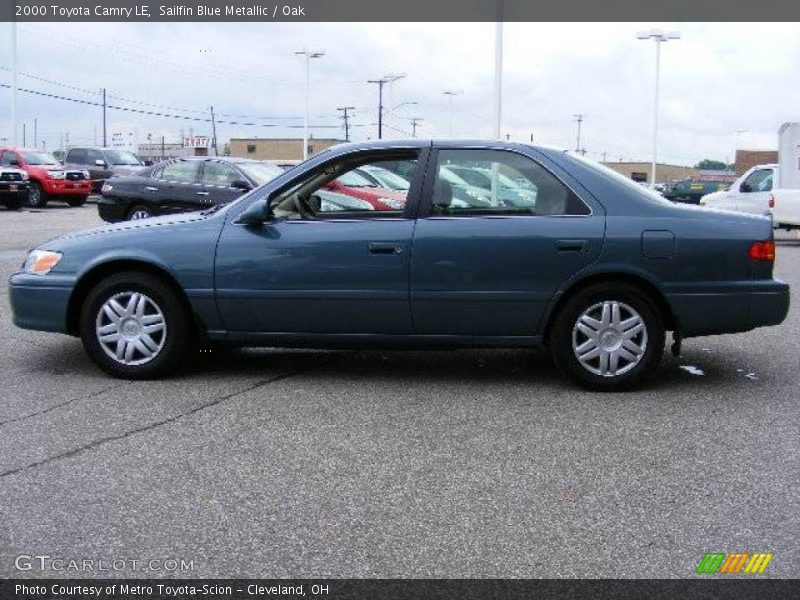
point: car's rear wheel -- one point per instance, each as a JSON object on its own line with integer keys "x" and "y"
{"x": 133, "y": 326}
{"x": 77, "y": 201}
{"x": 139, "y": 211}
{"x": 36, "y": 196}
{"x": 608, "y": 337}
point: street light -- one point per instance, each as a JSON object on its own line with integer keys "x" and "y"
{"x": 309, "y": 55}
{"x": 450, "y": 94}
{"x": 658, "y": 37}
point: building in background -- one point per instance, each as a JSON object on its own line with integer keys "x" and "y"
{"x": 276, "y": 150}
{"x": 746, "y": 159}
{"x": 196, "y": 145}
{"x": 641, "y": 171}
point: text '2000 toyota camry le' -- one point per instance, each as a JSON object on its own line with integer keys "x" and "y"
{"x": 580, "y": 259}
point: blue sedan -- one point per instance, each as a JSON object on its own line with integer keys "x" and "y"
{"x": 589, "y": 264}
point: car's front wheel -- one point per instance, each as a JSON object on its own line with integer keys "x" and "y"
{"x": 133, "y": 326}
{"x": 608, "y": 337}
{"x": 37, "y": 198}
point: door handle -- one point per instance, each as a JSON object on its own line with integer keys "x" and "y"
{"x": 150, "y": 188}
{"x": 202, "y": 193}
{"x": 570, "y": 245}
{"x": 385, "y": 248}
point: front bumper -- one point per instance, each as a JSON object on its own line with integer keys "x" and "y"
{"x": 40, "y": 302}
{"x": 62, "y": 187}
{"x": 7, "y": 193}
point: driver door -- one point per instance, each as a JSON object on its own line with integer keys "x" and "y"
{"x": 325, "y": 263}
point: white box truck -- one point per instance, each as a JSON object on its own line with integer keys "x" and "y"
{"x": 772, "y": 190}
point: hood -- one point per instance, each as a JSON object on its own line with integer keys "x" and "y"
{"x": 111, "y": 229}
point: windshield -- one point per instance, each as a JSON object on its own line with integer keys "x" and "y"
{"x": 39, "y": 158}
{"x": 388, "y": 179}
{"x": 118, "y": 157}
{"x": 261, "y": 173}
{"x": 613, "y": 175}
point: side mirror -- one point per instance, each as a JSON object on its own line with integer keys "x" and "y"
{"x": 240, "y": 184}
{"x": 100, "y": 162}
{"x": 256, "y": 214}
{"x": 745, "y": 188}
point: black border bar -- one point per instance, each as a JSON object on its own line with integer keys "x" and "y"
{"x": 400, "y": 10}
{"x": 700, "y": 588}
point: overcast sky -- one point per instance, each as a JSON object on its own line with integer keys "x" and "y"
{"x": 716, "y": 80}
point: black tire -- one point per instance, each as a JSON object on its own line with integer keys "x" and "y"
{"x": 627, "y": 297}
{"x": 174, "y": 342}
{"x": 36, "y": 196}
{"x": 77, "y": 201}
{"x": 135, "y": 212}
{"x": 15, "y": 203}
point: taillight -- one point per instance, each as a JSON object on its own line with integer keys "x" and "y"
{"x": 771, "y": 201}
{"x": 762, "y": 250}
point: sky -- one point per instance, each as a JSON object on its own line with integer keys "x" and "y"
{"x": 717, "y": 80}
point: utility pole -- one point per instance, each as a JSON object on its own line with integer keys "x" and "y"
{"x": 414, "y": 122}
{"x": 346, "y": 119}
{"x": 214, "y": 132}
{"x": 35, "y": 133}
{"x": 24, "y": 138}
{"x": 381, "y": 82}
{"x": 162, "y": 146}
{"x": 104, "y": 117}
{"x": 579, "y": 119}
{"x": 604, "y": 156}
{"x": 498, "y": 72}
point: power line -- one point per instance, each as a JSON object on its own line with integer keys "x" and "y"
{"x": 163, "y": 114}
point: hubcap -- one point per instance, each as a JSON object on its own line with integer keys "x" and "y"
{"x": 139, "y": 214}
{"x": 609, "y": 338}
{"x": 34, "y": 196}
{"x": 131, "y": 328}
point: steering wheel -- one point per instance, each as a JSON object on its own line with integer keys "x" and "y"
{"x": 302, "y": 206}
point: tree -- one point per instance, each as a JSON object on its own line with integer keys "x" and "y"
{"x": 708, "y": 164}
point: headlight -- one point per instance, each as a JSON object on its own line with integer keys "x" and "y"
{"x": 86, "y": 175}
{"x": 56, "y": 174}
{"x": 106, "y": 188}
{"x": 25, "y": 176}
{"x": 41, "y": 262}
{"x": 392, "y": 203}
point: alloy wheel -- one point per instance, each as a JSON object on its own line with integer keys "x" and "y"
{"x": 609, "y": 338}
{"x": 131, "y": 328}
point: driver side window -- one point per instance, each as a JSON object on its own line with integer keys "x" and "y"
{"x": 371, "y": 186}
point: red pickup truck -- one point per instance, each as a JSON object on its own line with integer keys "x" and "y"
{"x": 48, "y": 177}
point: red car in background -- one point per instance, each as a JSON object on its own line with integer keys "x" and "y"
{"x": 48, "y": 177}
{"x": 356, "y": 186}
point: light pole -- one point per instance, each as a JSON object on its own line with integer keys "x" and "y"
{"x": 14, "y": 83}
{"x": 658, "y": 37}
{"x": 308, "y": 56}
{"x": 498, "y": 75}
{"x": 450, "y": 94}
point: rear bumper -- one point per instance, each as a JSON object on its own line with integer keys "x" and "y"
{"x": 762, "y": 304}
{"x": 62, "y": 187}
{"x": 39, "y": 303}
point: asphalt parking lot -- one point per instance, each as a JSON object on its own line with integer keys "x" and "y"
{"x": 272, "y": 463}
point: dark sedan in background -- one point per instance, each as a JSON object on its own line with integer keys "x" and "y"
{"x": 691, "y": 191}
{"x": 181, "y": 185}
{"x": 593, "y": 266}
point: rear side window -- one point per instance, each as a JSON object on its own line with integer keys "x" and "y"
{"x": 179, "y": 172}
{"x": 76, "y": 156}
{"x": 497, "y": 183}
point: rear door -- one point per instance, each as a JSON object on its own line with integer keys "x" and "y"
{"x": 216, "y": 183}
{"x": 175, "y": 186}
{"x": 491, "y": 271}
